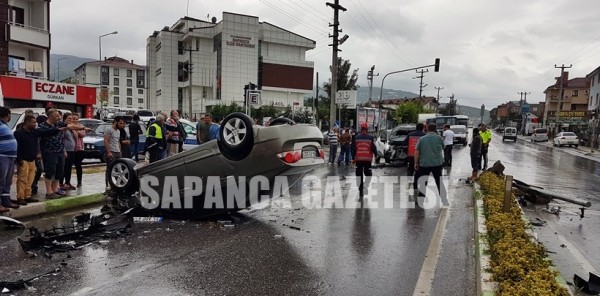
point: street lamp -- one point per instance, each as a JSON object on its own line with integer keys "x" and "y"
{"x": 58, "y": 68}
{"x": 100, "y": 43}
{"x": 436, "y": 66}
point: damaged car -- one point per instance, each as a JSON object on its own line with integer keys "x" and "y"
{"x": 243, "y": 166}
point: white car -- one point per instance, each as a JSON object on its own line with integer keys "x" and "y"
{"x": 539, "y": 135}
{"x": 190, "y": 130}
{"x": 566, "y": 138}
{"x": 146, "y": 115}
{"x": 460, "y": 134}
{"x": 17, "y": 115}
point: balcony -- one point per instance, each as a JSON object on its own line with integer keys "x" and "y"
{"x": 29, "y": 35}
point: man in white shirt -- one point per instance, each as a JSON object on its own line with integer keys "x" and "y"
{"x": 448, "y": 136}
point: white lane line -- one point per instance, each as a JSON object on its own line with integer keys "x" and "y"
{"x": 580, "y": 258}
{"x": 427, "y": 273}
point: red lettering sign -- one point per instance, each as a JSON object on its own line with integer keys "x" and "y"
{"x": 54, "y": 88}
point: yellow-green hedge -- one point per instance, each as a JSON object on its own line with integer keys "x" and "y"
{"x": 519, "y": 265}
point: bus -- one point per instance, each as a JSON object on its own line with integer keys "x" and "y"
{"x": 440, "y": 121}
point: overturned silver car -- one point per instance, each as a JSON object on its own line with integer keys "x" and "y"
{"x": 248, "y": 163}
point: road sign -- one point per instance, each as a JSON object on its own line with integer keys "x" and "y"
{"x": 254, "y": 97}
{"x": 347, "y": 98}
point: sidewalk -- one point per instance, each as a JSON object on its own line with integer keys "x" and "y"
{"x": 91, "y": 192}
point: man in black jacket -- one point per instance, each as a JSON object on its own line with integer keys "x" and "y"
{"x": 418, "y": 133}
{"x": 28, "y": 150}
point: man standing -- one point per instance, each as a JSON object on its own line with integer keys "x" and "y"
{"x": 135, "y": 130}
{"x": 411, "y": 138}
{"x": 215, "y": 127}
{"x": 28, "y": 151}
{"x": 345, "y": 141}
{"x": 332, "y": 136}
{"x": 448, "y": 136}
{"x": 203, "y": 130}
{"x": 428, "y": 159}
{"x": 112, "y": 140}
{"x": 486, "y": 138}
{"x": 53, "y": 152}
{"x": 8, "y": 154}
{"x": 475, "y": 154}
{"x": 364, "y": 150}
{"x": 156, "y": 140}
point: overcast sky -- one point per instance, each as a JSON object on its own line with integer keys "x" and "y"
{"x": 490, "y": 50}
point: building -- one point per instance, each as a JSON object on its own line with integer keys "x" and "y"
{"x": 573, "y": 111}
{"x": 430, "y": 104}
{"x": 594, "y": 94}
{"x": 122, "y": 83}
{"x": 194, "y": 65}
{"x": 25, "y": 61}
{"x": 25, "y": 44}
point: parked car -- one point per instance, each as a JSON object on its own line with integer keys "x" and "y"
{"x": 90, "y": 122}
{"x": 539, "y": 135}
{"x": 460, "y": 134}
{"x": 146, "y": 115}
{"x": 397, "y": 151}
{"x": 510, "y": 133}
{"x": 190, "y": 129}
{"x": 566, "y": 138}
{"x": 93, "y": 142}
{"x": 282, "y": 149}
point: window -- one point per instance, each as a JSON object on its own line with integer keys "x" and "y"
{"x": 140, "y": 72}
{"x": 116, "y": 100}
{"x": 140, "y": 91}
{"x": 16, "y": 15}
{"x": 182, "y": 72}
{"x": 116, "y": 91}
{"x": 158, "y": 46}
{"x": 129, "y": 102}
{"x": 140, "y": 101}
{"x": 130, "y": 92}
{"x": 158, "y": 71}
{"x": 115, "y": 72}
{"x": 129, "y": 73}
{"x": 575, "y": 93}
{"x": 130, "y": 82}
{"x": 104, "y": 69}
{"x": 116, "y": 81}
{"x": 180, "y": 47}
{"x": 141, "y": 78}
{"x": 158, "y": 92}
{"x": 573, "y": 107}
{"x": 104, "y": 79}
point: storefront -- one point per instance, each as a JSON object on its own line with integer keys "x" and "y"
{"x": 20, "y": 92}
{"x": 571, "y": 121}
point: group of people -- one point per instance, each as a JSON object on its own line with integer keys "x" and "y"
{"x": 345, "y": 140}
{"x": 51, "y": 143}
{"x": 428, "y": 153}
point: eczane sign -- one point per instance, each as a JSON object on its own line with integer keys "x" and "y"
{"x": 55, "y": 92}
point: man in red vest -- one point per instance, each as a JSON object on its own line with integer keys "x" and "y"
{"x": 364, "y": 150}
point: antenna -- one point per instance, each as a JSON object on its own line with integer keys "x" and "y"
{"x": 187, "y": 10}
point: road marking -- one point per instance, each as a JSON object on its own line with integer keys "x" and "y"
{"x": 580, "y": 258}
{"x": 427, "y": 273}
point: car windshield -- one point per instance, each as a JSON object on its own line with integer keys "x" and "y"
{"x": 568, "y": 134}
{"x": 458, "y": 130}
{"x": 101, "y": 128}
{"x": 541, "y": 131}
{"x": 189, "y": 129}
{"x": 145, "y": 113}
{"x": 13, "y": 120}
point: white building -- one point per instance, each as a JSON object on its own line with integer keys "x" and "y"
{"x": 25, "y": 42}
{"x": 123, "y": 82}
{"x": 594, "y": 97}
{"x": 226, "y": 56}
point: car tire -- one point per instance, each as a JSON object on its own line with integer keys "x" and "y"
{"x": 121, "y": 176}
{"x": 236, "y": 136}
{"x": 281, "y": 121}
{"x": 576, "y": 146}
{"x": 502, "y": 139}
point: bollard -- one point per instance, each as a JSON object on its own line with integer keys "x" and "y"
{"x": 507, "y": 193}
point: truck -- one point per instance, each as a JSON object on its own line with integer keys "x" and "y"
{"x": 530, "y": 127}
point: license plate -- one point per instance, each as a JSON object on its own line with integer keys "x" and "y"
{"x": 309, "y": 154}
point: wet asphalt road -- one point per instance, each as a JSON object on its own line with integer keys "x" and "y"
{"x": 321, "y": 252}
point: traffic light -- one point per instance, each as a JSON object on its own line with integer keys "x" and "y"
{"x": 253, "y": 86}
{"x": 246, "y": 87}
{"x": 437, "y": 65}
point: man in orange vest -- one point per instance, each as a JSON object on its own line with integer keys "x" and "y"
{"x": 364, "y": 150}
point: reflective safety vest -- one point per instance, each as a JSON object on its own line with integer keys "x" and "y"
{"x": 158, "y": 134}
{"x": 364, "y": 150}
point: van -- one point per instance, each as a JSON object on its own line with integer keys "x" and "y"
{"x": 539, "y": 135}
{"x": 510, "y": 133}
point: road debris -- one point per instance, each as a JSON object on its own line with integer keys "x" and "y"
{"x": 537, "y": 222}
{"x": 148, "y": 219}
{"x": 592, "y": 286}
{"x": 25, "y": 283}
{"x": 278, "y": 236}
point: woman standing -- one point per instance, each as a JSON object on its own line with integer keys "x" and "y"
{"x": 69, "y": 141}
{"x": 78, "y": 155}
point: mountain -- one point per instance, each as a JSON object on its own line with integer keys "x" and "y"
{"x": 362, "y": 95}
{"x": 68, "y": 63}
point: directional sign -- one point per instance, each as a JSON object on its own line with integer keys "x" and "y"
{"x": 346, "y": 97}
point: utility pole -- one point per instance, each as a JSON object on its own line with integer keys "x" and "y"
{"x": 421, "y": 86}
{"x": 333, "y": 89}
{"x": 523, "y": 114}
{"x": 316, "y": 104}
{"x": 370, "y": 81}
{"x": 190, "y": 79}
{"x": 438, "y": 95}
{"x": 560, "y": 95}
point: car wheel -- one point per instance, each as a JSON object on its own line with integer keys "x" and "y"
{"x": 122, "y": 177}
{"x": 576, "y": 146}
{"x": 502, "y": 139}
{"x": 236, "y": 136}
{"x": 281, "y": 121}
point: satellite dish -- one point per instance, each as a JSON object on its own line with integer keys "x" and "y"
{"x": 214, "y": 20}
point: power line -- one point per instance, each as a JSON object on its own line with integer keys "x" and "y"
{"x": 293, "y": 17}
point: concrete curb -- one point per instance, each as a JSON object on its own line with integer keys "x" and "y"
{"x": 55, "y": 205}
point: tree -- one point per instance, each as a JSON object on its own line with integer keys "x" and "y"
{"x": 450, "y": 108}
{"x": 224, "y": 110}
{"x": 344, "y": 81}
{"x": 409, "y": 112}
